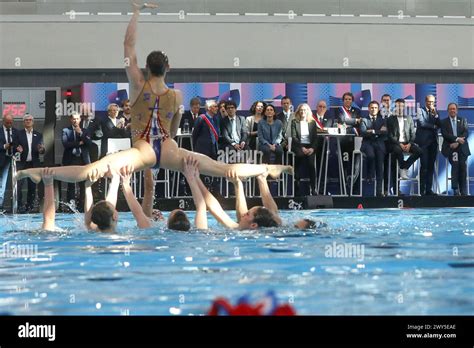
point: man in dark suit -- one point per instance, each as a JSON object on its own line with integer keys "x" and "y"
{"x": 111, "y": 127}
{"x": 286, "y": 116}
{"x": 428, "y": 124}
{"x": 188, "y": 119}
{"x": 323, "y": 122}
{"x": 30, "y": 146}
{"x": 8, "y": 147}
{"x": 75, "y": 141}
{"x": 374, "y": 132}
{"x": 234, "y": 131}
{"x": 93, "y": 131}
{"x": 348, "y": 119}
{"x": 205, "y": 137}
{"x": 456, "y": 148}
{"x": 401, "y": 136}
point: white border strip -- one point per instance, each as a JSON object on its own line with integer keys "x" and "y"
{"x": 255, "y": 14}
{"x": 228, "y": 14}
{"x": 285, "y": 14}
{"x": 314, "y": 15}
{"x": 457, "y": 17}
{"x": 417, "y": 16}
{"x": 109, "y": 13}
{"x": 141, "y": 14}
{"x": 342, "y": 15}
{"x": 77, "y": 13}
{"x": 198, "y": 14}
{"x": 165, "y": 14}
{"x": 371, "y": 15}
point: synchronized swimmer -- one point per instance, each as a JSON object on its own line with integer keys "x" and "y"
{"x": 156, "y": 114}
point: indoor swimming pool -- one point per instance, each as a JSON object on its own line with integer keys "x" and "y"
{"x": 364, "y": 262}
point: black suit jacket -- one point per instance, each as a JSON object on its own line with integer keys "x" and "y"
{"x": 376, "y": 139}
{"x": 281, "y": 116}
{"x": 449, "y": 138}
{"x": 202, "y": 140}
{"x": 23, "y": 141}
{"x": 70, "y": 144}
{"x": 394, "y": 130}
{"x": 4, "y": 158}
{"x": 226, "y": 130}
{"x": 326, "y": 122}
{"x": 341, "y": 117}
{"x": 188, "y": 116}
{"x": 109, "y": 131}
{"x": 296, "y": 134}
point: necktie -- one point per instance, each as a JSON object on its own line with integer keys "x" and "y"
{"x": 455, "y": 128}
{"x": 9, "y": 136}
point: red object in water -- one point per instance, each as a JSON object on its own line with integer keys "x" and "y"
{"x": 221, "y": 306}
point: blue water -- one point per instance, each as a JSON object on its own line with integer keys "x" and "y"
{"x": 412, "y": 262}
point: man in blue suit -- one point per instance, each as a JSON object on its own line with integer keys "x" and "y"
{"x": 8, "y": 147}
{"x": 374, "y": 132}
{"x": 76, "y": 142}
{"x": 30, "y": 146}
{"x": 427, "y": 126}
{"x": 456, "y": 148}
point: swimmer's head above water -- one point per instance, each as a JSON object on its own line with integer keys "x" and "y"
{"x": 307, "y": 224}
{"x": 257, "y": 217}
{"x": 105, "y": 216}
{"x": 178, "y": 221}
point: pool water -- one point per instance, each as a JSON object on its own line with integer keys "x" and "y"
{"x": 364, "y": 262}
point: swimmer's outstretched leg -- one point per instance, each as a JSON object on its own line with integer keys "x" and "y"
{"x": 140, "y": 157}
{"x": 172, "y": 158}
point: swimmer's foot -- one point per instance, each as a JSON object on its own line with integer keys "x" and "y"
{"x": 274, "y": 171}
{"x": 34, "y": 174}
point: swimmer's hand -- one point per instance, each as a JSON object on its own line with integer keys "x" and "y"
{"x": 93, "y": 177}
{"x": 157, "y": 215}
{"x": 126, "y": 173}
{"x": 47, "y": 175}
{"x": 139, "y": 7}
{"x": 190, "y": 168}
{"x": 112, "y": 173}
{"x": 232, "y": 176}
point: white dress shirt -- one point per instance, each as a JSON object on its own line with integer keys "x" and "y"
{"x": 401, "y": 125}
{"x": 29, "y": 137}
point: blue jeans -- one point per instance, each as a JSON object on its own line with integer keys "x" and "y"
{"x": 3, "y": 181}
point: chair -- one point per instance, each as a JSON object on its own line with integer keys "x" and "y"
{"x": 414, "y": 168}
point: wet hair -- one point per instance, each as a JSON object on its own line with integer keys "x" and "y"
{"x": 253, "y": 108}
{"x": 310, "y": 224}
{"x": 264, "y": 218}
{"x": 157, "y": 62}
{"x": 102, "y": 215}
{"x": 179, "y": 221}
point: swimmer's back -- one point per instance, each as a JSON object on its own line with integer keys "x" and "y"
{"x": 166, "y": 106}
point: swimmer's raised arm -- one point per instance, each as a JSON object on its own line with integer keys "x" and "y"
{"x": 49, "y": 208}
{"x": 89, "y": 199}
{"x": 113, "y": 187}
{"x": 267, "y": 198}
{"x": 134, "y": 74}
{"x": 191, "y": 172}
{"x": 240, "y": 201}
{"x": 215, "y": 208}
{"x": 143, "y": 221}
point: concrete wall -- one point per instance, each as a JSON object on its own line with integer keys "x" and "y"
{"x": 216, "y": 42}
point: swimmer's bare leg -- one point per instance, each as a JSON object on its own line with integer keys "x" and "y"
{"x": 172, "y": 158}
{"x": 140, "y": 157}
